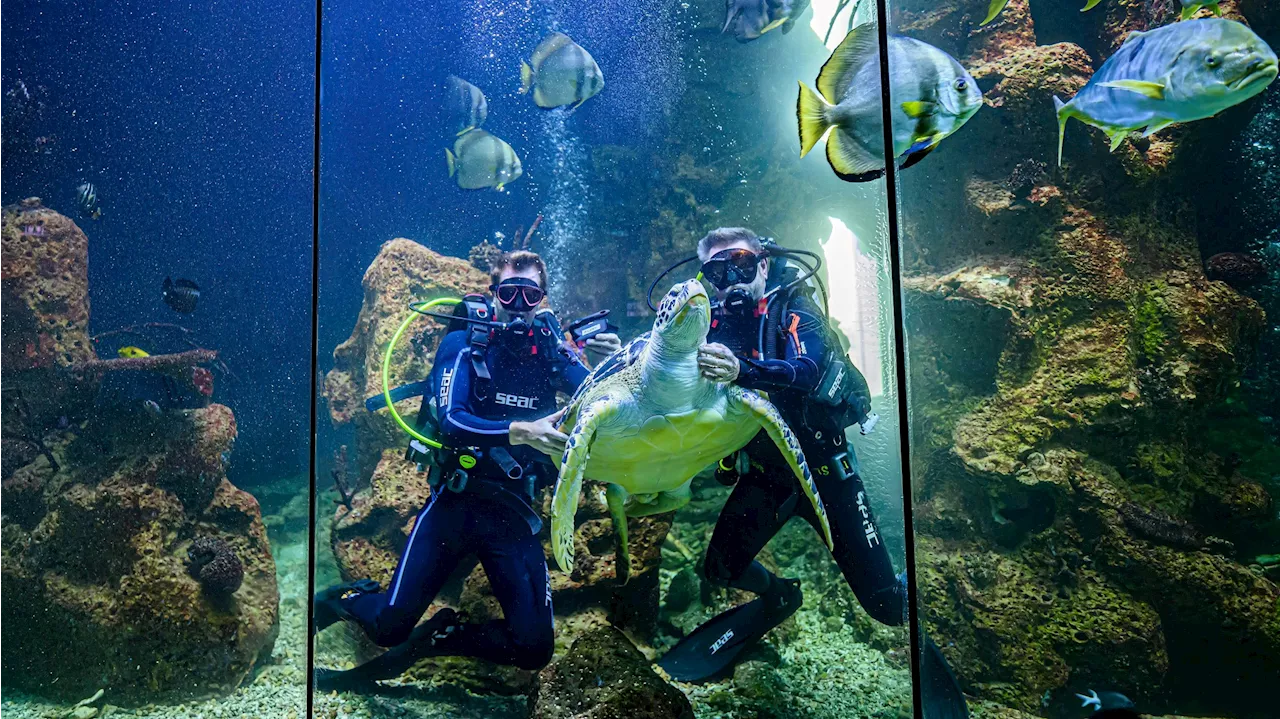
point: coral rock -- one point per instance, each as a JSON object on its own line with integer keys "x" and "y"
{"x": 603, "y": 676}
{"x": 1236, "y": 269}
{"x": 215, "y": 564}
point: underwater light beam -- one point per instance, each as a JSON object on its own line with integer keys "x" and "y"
{"x": 854, "y": 301}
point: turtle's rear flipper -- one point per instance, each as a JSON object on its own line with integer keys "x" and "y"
{"x": 616, "y": 498}
{"x": 769, "y": 418}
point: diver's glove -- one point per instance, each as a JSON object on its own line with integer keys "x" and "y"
{"x": 869, "y": 423}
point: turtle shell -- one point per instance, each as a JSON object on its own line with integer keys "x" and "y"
{"x": 613, "y": 364}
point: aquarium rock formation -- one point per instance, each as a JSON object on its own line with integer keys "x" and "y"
{"x": 97, "y": 533}
{"x": 604, "y": 675}
{"x": 367, "y": 538}
{"x": 1079, "y": 363}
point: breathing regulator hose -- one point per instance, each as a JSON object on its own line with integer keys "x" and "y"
{"x": 418, "y": 308}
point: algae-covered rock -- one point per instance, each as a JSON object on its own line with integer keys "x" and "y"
{"x": 98, "y": 591}
{"x": 604, "y": 676}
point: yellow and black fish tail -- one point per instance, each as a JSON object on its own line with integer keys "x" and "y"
{"x": 813, "y": 116}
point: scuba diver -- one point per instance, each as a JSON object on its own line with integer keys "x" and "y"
{"x": 769, "y": 333}
{"x": 490, "y": 401}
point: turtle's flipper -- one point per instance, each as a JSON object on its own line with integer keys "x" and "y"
{"x": 564, "y": 505}
{"x": 789, "y": 445}
{"x": 616, "y": 498}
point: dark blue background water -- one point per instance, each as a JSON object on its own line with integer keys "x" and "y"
{"x": 194, "y": 121}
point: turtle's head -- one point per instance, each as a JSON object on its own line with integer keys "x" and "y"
{"x": 684, "y": 316}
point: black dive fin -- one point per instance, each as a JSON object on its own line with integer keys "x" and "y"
{"x": 939, "y": 688}
{"x": 429, "y": 639}
{"x": 711, "y": 650}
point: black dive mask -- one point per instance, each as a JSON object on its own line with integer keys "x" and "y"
{"x": 518, "y": 294}
{"x": 730, "y": 267}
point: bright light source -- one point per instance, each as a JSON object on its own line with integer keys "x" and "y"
{"x": 823, "y": 10}
{"x": 854, "y": 285}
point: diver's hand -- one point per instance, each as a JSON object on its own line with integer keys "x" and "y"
{"x": 718, "y": 363}
{"x": 541, "y": 434}
{"x": 602, "y": 345}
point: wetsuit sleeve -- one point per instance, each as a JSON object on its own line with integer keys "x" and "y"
{"x": 805, "y": 335}
{"x": 458, "y": 420}
{"x": 572, "y": 373}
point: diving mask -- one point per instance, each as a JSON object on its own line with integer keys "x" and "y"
{"x": 518, "y": 294}
{"x": 731, "y": 267}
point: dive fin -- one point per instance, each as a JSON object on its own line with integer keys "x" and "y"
{"x": 1063, "y": 115}
{"x": 429, "y": 639}
{"x": 526, "y": 77}
{"x": 858, "y": 48}
{"x": 1153, "y": 90}
{"x": 851, "y": 161}
{"x": 811, "y": 114}
{"x": 711, "y": 650}
{"x": 939, "y": 689}
{"x": 448, "y": 156}
{"x": 993, "y": 10}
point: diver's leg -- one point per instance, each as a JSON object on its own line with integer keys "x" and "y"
{"x": 755, "y": 511}
{"x": 435, "y": 547}
{"x": 859, "y": 549}
{"x": 516, "y": 566}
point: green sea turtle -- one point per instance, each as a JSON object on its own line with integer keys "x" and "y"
{"x": 646, "y": 421}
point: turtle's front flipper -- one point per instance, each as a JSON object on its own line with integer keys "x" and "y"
{"x": 785, "y": 439}
{"x": 616, "y": 498}
{"x": 564, "y": 505}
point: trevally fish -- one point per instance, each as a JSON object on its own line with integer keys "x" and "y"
{"x": 1177, "y": 73}
{"x": 561, "y": 72}
{"x": 87, "y": 196}
{"x": 997, "y": 5}
{"x": 749, "y": 19}
{"x": 1189, "y": 7}
{"x": 480, "y": 160}
{"x": 181, "y": 295}
{"x": 467, "y": 104}
{"x": 933, "y": 95}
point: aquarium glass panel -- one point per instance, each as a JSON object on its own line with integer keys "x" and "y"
{"x": 517, "y": 539}
{"x": 157, "y": 244}
{"x": 1090, "y": 272}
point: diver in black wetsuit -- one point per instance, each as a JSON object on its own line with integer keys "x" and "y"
{"x": 752, "y": 320}
{"x": 483, "y": 492}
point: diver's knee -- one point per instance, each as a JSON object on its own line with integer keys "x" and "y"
{"x": 535, "y": 652}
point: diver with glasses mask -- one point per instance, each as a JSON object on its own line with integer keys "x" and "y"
{"x": 768, "y": 333}
{"x": 492, "y": 396}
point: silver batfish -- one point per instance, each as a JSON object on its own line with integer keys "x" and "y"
{"x": 480, "y": 160}
{"x": 467, "y": 105}
{"x": 1177, "y": 73}
{"x": 933, "y": 97}
{"x": 561, "y": 72}
{"x": 749, "y": 19}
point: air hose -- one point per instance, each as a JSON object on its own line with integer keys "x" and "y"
{"x": 418, "y": 308}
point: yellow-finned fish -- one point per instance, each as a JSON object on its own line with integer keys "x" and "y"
{"x": 749, "y": 19}
{"x": 467, "y": 104}
{"x": 933, "y": 94}
{"x": 997, "y": 5}
{"x": 132, "y": 352}
{"x": 1177, "y": 73}
{"x": 561, "y": 72}
{"x": 1189, "y": 7}
{"x": 480, "y": 160}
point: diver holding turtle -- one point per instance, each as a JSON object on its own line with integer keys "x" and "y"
{"x": 489, "y": 402}
{"x": 769, "y": 333}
